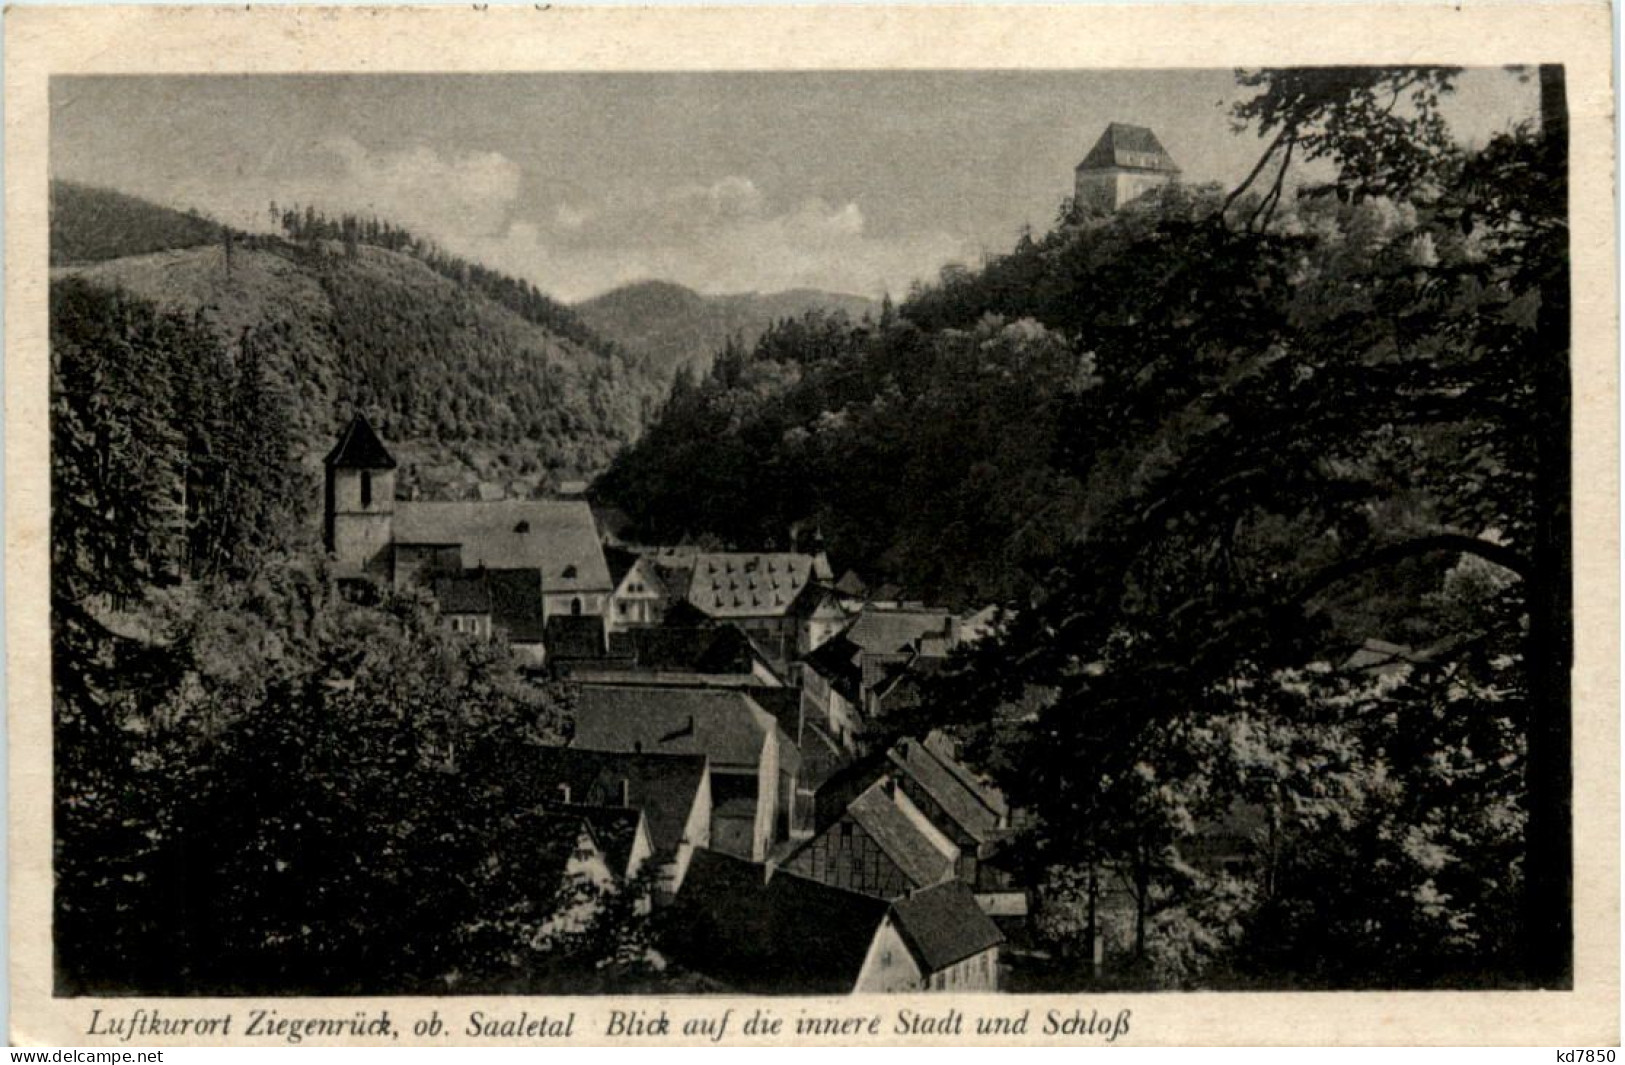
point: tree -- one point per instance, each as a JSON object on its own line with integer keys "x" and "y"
{"x": 1262, "y": 487}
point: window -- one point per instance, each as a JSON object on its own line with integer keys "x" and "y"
{"x": 575, "y": 607}
{"x": 366, "y": 489}
{"x": 622, "y": 608}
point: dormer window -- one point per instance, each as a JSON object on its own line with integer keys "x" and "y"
{"x": 522, "y": 527}
{"x": 570, "y": 570}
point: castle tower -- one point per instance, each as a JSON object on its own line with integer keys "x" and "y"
{"x": 360, "y": 499}
{"x": 1126, "y": 162}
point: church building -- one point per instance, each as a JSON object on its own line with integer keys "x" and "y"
{"x": 506, "y": 565}
{"x": 1125, "y": 163}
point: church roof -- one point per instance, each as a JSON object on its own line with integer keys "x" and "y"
{"x": 359, "y": 448}
{"x": 1128, "y": 147}
{"x": 557, "y": 538}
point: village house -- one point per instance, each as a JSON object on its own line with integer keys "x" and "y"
{"x": 881, "y": 845}
{"x": 753, "y": 764}
{"x": 769, "y": 595}
{"x": 972, "y": 815}
{"x": 639, "y": 596}
{"x": 574, "y": 874}
{"x": 773, "y": 932}
{"x": 505, "y": 565}
{"x": 847, "y": 679}
{"x": 665, "y": 797}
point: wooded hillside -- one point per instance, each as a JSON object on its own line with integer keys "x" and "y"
{"x": 456, "y": 370}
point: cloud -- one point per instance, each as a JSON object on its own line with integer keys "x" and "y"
{"x": 724, "y": 236}
{"x": 445, "y": 197}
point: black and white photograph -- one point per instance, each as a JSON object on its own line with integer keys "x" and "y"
{"x": 1066, "y": 532}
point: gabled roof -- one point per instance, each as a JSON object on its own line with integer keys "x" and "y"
{"x": 940, "y": 745}
{"x": 464, "y": 594}
{"x": 663, "y": 786}
{"x": 724, "y": 724}
{"x": 359, "y": 448}
{"x": 574, "y": 637}
{"x": 738, "y": 584}
{"x": 516, "y": 603}
{"x": 943, "y": 925}
{"x": 880, "y": 630}
{"x": 851, "y": 584}
{"x": 901, "y": 839}
{"x": 787, "y": 935}
{"x": 957, "y": 800}
{"x": 837, "y": 660}
{"x": 1128, "y": 147}
{"x": 614, "y": 829}
{"x": 622, "y": 562}
{"x": 707, "y": 648}
{"x": 555, "y": 537}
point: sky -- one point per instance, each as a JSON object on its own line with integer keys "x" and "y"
{"x": 847, "y": 181}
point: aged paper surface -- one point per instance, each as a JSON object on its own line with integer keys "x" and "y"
{"x": 46, "y": 42}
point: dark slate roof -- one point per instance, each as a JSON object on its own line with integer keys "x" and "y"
{"x": 1128, "y": 147}
{"x": 620, "y": 562}
{"x": 574, "y": 638}
{"x": 837, "y": 661}
{"x": 663, "y": 786}
{"x": 516, "y": 603}
{"x": 902, "y": 840}
{"x": 359, "y": 448}
{"x": 943, "y": 925}
{"x": 789, "y": 935}
{"x": 958, "y": 801}
{"x": 463, "y": 594}
{"x": 940, "y": 745}
{"x": 817, "y": 601}
{"x": 614, "y": 829}
{"x": 724, "y": 724}
{"x": 557, "y": 538}
{"x": 707, "y": 648}
{"x": 785, "y": 706}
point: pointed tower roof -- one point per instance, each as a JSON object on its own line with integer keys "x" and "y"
{"x": 359, "y": 448}
{"x": 1127, "y": 147}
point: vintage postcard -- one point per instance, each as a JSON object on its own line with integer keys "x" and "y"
{"x": 1084, "y": 525}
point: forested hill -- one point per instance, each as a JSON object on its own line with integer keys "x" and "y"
{"x": 91, "y": 224}
{"x": 471, "y": 376}
{"x": 677, "y": 327}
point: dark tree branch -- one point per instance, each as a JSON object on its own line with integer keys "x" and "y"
{"x": 1499, "y": 554}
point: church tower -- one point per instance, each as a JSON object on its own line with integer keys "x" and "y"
{"x": 1125, "y": 163}
{"x": 360, "y": 499}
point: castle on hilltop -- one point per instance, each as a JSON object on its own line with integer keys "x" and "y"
{"x": 1125, "y": 163}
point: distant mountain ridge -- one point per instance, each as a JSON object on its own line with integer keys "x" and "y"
{"x": 460, "y": 383}
{"x": 674, "y": 326}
